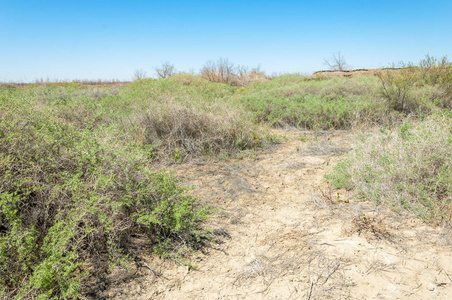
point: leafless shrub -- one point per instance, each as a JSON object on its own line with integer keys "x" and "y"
{"x": 224, "y": 71}
{"x": 139, "y": 74}
{"x": 165, "y": 70}
{"x": 79, "y": 83}
{"x": 8, "y": 85}
{"x": 337, "y": 62}
{"x": 41, "y": 80}
{"x": 220, "y": 71}
{"x": 62, "y": 95}
{"x": 245, "y": 75}
{"x": 98, "y": 81}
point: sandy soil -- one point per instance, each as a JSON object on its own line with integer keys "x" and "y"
{"x": 284, "y": 233}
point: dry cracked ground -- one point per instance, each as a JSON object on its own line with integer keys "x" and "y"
{"x": 283, "y": 233}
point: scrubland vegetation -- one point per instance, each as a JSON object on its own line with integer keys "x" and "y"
{"x": 409, "y": 167}
{"x": 408, "y": 163}
{"x": 78, "y": 179}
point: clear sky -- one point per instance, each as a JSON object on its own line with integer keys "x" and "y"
{"x": 112, "y": 39}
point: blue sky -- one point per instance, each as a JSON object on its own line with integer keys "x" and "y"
{"x": 112, "y": 39}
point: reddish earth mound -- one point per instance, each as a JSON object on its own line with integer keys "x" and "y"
{"x": 350, "y": 73}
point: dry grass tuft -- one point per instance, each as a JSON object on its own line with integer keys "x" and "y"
{"x": 370, "y": 227}
{"x": 181, "y": 132}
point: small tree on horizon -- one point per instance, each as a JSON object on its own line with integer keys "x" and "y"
{"x": 139, "y": 74}
{"x": 337, "y": 62}
{"x": 166, "y": 69}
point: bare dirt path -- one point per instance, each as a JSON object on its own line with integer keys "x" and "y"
{"x": 283, "y": 233}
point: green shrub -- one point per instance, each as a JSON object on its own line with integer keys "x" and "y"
{"x": 399, "y": 85}
{"x": 333, "y": 103}
{"x": 396, "y": 86}
{"x": 70, "y": 203}
{"x": 302, "y": 111}
{"x": 436, "y": 71}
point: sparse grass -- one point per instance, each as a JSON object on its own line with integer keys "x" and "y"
{"x": 409, "y": 167}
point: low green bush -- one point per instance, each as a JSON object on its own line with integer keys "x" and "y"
{"x": 400, "y": 86}
{"x": 302, "y": 111}
{"x": 333, "y": 103}
{"x": 71, "y": 200}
